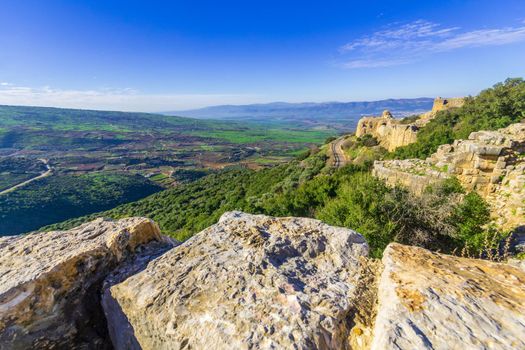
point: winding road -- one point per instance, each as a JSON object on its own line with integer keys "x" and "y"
{"x": 338, "y": 155}
{"x": 48, "y": 172}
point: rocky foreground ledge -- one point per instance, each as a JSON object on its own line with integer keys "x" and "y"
{"x": 51, "y": 283}
{"x": 249, "y": 282}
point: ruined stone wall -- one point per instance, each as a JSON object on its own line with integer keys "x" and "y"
{"x": 388, "y": 131}
{"x": 391, "y": 134}
{"x": 441, "y": 104}
{"x": 491, "y": 163}
{"x": 411, "y": 173}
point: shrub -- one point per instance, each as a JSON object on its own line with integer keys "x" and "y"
{"x": 367, "y": 140}
{"x": 493, "y": 108}
{"x": 470, "y": 218}
{"x": 330, "y": 139}
{"x": 410, "y": 119}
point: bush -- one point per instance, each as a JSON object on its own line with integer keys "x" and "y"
{"x": 59, "y": 197}
{"x": 410, "y": 119}
{"x": 492, "y": 109}
{"x": 330, "y": 139}
{"x": 367, "y": 140}
{"x": 470, "y": 217}
{"x": 366, "y": 205}
{"x": 349, "y": 197}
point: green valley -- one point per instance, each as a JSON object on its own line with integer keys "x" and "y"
{"x": 99, "y": 159}
{"x": 445, "y": 217}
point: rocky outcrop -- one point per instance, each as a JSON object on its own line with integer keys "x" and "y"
{"x": 414, "y": 174}
{"x": 387, "y": 130}
{"x": 491, "y": 163}
{"x": 250, "y": 281}
{"x": 392, "y": 133}
{"x": 442, "y": 104}
{"x": 434, "y": 301}
{"x": 50, "y": 282}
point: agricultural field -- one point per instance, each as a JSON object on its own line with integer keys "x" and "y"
{"x": 78, "y": 141}
{"x": 96, "y": 159}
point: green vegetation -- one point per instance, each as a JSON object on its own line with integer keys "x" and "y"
{"x": 470, "y": 216}
{"x": 443, "y": 218}
{"x": 85, "y": 141}
{"x": 58, "y": 198}
{"x": 348, "y": 197}
{"x": 60, "y": 119}
{"x": 363, "y": 150}
{"x": 54, "y": 121}
{"x": 257, "y": 134}
{"x": 188, "y": 175}
{"x": 189, "y": 208}
{"x": 17, "y": 170}
{"x": 492, "y": 109}
{"x": 158, "y": 177}
{"x": 366, "y": 140}
{"x": 410, "y": 119}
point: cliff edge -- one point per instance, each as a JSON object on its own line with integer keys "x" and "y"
{"x": 249, "y": 282}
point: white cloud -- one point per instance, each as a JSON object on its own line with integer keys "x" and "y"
{"x": 484, "y": 37}
{"x": 401, "y": 44}
{"x": 114, "y": 99}
{"x": 405, "y": 35}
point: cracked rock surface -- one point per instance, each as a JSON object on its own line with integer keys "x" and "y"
{"x": 434, "y": 301}
{"x": 50, "y": 282}
{"x": 248, "y": 282}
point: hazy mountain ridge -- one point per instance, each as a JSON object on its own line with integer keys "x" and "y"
{"x": 324, "y": 111}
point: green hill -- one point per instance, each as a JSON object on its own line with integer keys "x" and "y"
{"x": 24, "y": 125}
{"x": 57, "y": 198}
{"x": 493, "y": 108}
{"x": 348, "y": 197}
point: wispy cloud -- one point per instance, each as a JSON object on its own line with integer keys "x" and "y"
{"x": 126, "y": 99}
{"x": 405, "y": 43}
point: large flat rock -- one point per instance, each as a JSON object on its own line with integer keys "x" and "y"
{"x": 435, "y": 301}
{"x": 50, "y": 282}
{"x": 250, "y": 281}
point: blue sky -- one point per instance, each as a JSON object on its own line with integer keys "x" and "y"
{"x": 171, "y": 55}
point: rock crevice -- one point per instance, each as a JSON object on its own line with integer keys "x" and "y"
{"x": 50, "y": 282}
{"x": 249, "y": 282}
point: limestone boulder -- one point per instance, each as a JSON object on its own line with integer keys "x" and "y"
{"x": 50, "y": 282}
{"x": 248, "y": 282}
{"x": 433, "y": 301}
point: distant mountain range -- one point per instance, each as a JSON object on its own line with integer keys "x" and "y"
{"x": 347, "y": 113}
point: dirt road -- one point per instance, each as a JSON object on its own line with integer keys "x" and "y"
{"x": 44, "y": 174}
{"x": 338, "y": 155}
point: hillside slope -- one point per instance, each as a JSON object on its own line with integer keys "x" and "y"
{"x": 492, "y": 109}
{"x": 446, "y": 217}
{"x": 148, "y": 151}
